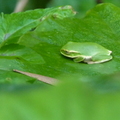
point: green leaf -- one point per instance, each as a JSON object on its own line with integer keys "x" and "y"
{"x": 14, "y": 56}
{"x": 20, "y": 52}
{"x": 101, "y": 25}
{"x": 17, "y": 24}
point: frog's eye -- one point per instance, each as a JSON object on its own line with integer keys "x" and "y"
{"x": 67, "y": 52}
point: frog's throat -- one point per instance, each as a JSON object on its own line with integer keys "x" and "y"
{"x": 87, "y": 59}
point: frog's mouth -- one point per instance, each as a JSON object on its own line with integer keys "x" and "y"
{"x": 71, "y": 54}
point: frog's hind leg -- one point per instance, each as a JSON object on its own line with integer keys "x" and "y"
{"x": 78, "y": 59}
{"x": 100, "y": 58}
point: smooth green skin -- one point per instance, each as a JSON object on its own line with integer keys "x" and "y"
{"x": 87, "y": 52}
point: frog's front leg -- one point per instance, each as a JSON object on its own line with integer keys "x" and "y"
{"x": 78, "y": 59}
{"x": 100, "y": 58}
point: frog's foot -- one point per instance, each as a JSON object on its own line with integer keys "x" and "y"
{"x": 78, "y": 59}
{"x": 100, "y": 59}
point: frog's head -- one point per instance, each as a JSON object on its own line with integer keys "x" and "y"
{"x": 70, "y": 53}
{"x": 69, "y": 50}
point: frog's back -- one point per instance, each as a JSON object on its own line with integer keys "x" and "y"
{"x": 87, "y": 48}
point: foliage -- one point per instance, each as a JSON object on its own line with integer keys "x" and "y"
{"x": 70, "y": 101}
{"x": 14, "y": 56}
{"x": 31, "y": 42}
{"x": 79, "y": 5}
{"x": 51, "y": 34}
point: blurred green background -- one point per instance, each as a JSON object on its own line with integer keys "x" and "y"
{"x": 81, "y": 6}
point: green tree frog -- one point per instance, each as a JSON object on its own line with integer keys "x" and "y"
{"x": 87, "y": 52}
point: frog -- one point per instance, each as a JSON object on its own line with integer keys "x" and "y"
{"x": 86, "y": 52}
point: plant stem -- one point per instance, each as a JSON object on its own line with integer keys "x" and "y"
{"x": 21, "y": 4}
{"x": 42, "y": 78}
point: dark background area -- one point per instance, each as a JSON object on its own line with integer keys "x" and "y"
{"x": 81, "y": 6}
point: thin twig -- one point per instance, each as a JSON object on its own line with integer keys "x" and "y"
{"x": 42, "y": 78}
{"x": 21, "y": 4}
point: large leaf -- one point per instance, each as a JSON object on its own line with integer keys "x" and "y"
{"x": 101, "y": 25}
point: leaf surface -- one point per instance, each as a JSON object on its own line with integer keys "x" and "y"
{"x": 101, "y": 25}
{"x": 14, "y": 56}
